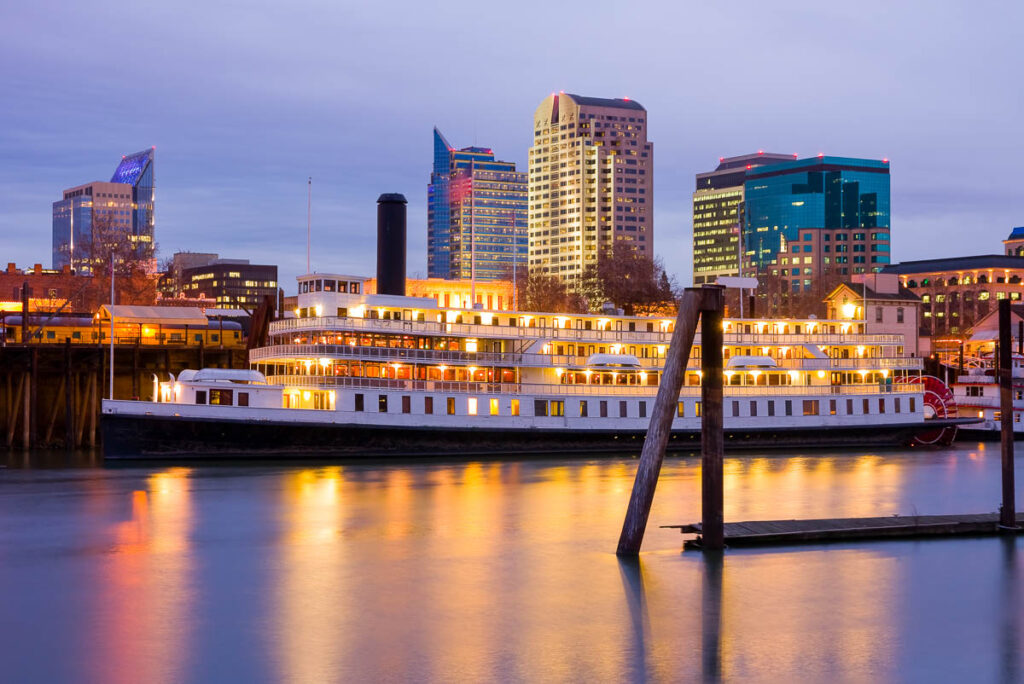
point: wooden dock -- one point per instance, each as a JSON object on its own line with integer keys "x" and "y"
{"x": 781, "y": 532}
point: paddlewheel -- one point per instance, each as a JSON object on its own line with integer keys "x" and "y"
{"x": 939, "y": 402}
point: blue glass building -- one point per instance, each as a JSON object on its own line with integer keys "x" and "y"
{"x": 125, "y": 204}
{"x": 812, "y": 223}
{"x": 476, "y": 214}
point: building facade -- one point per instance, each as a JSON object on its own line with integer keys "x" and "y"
{"x": 591, "y": 183}
{"x": 476, "y": 214}
{"x": 124, "y": 205}
{"x": 885, "y": 306}
{"x": 810, "y": 223}
{"x": 233, "y": 283}
{"x": 717, "y": 203}
{"x": 959, "y": 291}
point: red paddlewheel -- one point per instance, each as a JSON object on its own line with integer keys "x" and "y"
{"x": 938, "y": 403}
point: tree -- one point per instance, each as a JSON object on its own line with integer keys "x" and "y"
{"x": 539, "y": 292}
{"x": 110, "y": 243}
{"x": 629, "y": 280}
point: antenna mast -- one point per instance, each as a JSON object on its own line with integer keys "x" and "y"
{"x": 309, "y": 220}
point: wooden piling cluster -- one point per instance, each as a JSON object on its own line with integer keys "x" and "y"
{"x": 50, "y": 393}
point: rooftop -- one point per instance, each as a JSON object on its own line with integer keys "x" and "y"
{"x": 1017, "y": 233}
{"x": 964, "y": 263}
{"x": 823, "y": 163}
{"x": 619, "y": 103}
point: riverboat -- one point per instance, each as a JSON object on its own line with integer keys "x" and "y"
{"x": 976, "y": 393}
{"x": 351, "y": 374}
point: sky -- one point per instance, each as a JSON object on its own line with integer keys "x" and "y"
{"x": 245, "y": 100}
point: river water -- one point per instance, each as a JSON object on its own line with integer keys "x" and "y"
{"x": 501, "y": 570}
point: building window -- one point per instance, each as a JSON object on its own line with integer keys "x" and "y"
{"x": 878, "y": 314}
{"x": 382, "y": 403}
{"x": 450, "y": 401}
{"x": 899, "y": 315}
{"x": 428, "y": 405}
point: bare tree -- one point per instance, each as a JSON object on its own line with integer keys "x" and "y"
{"x": 628, "y": 279}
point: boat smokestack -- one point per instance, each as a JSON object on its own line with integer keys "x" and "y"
{"x": 391, "y": 244}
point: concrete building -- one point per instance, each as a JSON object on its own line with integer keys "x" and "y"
{"x": 591, "y": 182}
{"x": 123, "y": 205}
{"x": 476, "y": 214}
{"x": 890, "y": 308}
{"x": 717, "y": 210}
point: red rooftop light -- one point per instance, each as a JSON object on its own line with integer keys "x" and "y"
{"x": 749, "y": 166}
{"x": 626, "y": 99}
{"x": 760, "y": 151}
{"x": 885, "y": 161}
{"x": 820, "y": 155}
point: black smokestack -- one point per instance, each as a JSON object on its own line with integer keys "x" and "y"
{"x": 391, "y": 244}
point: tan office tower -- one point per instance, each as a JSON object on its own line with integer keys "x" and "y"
{"x": 590, "y": 182}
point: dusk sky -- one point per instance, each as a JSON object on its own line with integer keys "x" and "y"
{"x": 244, "y": 102}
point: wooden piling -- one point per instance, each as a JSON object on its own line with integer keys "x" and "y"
{"x": 33, "y": 432}
{"x": 712, "y": 439}
{"x": 26, "y": 402}
{"x": 12, "y": 411}
{"x": 1007, "y": 512}
{"x": 69, "y": 397}
{"x": 660, "y": 426}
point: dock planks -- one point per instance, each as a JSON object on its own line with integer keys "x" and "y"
{"x": 780, "y": 532}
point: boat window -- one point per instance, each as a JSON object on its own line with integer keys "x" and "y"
{"x": 604, "y": 409}
{"x": 583, "y": 408}
{"x": 428, "y": 405}
{"x": 557, "y": 408}
{"x": 881, "y": 404}
{"x": 222, "y": 397}
{"x": 771, "y": 408}
{"x": 451, "y": 406}
{"x": 789, "y": 407}
{"x": 832, "y": 407}
{"x": 622, "y": 409}
{"x": 515, "y": 407}
{"x": 200, "y": 396}
{"x": 849, "y": 407}
{"x": 243, "y": 398}
{"x": 681, "y": 409}
{"x": 540, "y": 407}
{"x": 406, "y": 404}
{"x": 913, "y": 405}
{"x": 643, "y": 409}
{"x": 810, "y": 407}
{"x": 471, "y": 406}
{"x": 382, "y": 403}
{"x": 867, "y": 407}
{"x": 696, "y": 409}
{"x": 494, "y": 407}
{"x": 353, "y": 288}
{"x": 896, "y": 404}
{"x": 359, "y": 402}
{"x": 735, "y": 409}
{"x": 753, "y": 408}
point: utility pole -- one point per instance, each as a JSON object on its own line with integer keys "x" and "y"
{"x": 309, "y": 220}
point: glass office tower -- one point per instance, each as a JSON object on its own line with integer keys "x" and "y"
{"x": 818, "y": 203}
{"x": 136, "y": 170}
{"x": 476, "y": 214}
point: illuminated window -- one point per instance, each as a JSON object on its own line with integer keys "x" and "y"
{"x": 515, "y": 407}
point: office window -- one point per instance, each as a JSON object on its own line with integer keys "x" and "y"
{"x": 382, "y": 403}
{"x": 540, "y": 407}
{"x": 450, "y": 405}
{"x": 471, "y": 406}
{"x": 583, "y": 408}
{"x": 428, "y": 405}
{"x": 494, "y": 407}
{"x": 359, "y": 402}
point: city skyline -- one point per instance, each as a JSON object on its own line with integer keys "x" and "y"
{"x": 238, "y": 142}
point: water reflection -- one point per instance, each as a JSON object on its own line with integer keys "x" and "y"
{"x": 147, "y": 592}
{"x": 1010, "y": 607}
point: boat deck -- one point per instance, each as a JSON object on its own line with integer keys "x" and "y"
{"x": 780, "y": 532}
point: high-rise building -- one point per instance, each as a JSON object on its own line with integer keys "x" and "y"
{"x": 123, "y": 205}
{"x": 812, "y": 221}
{"x": 716, "y": 203}
{"x": 591, "y": 173}
{"x": 476, "y": 214}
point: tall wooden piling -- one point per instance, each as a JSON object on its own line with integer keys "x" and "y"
{"x": 660, "y": 427}
{"x": 69, "y": 397}
{"x": 712, "y": 440}
{"x": 1007, "y": 512}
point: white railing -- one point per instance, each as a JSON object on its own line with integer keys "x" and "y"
{"x": 328, "y": 382}
{"x": 383, "y": 325}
